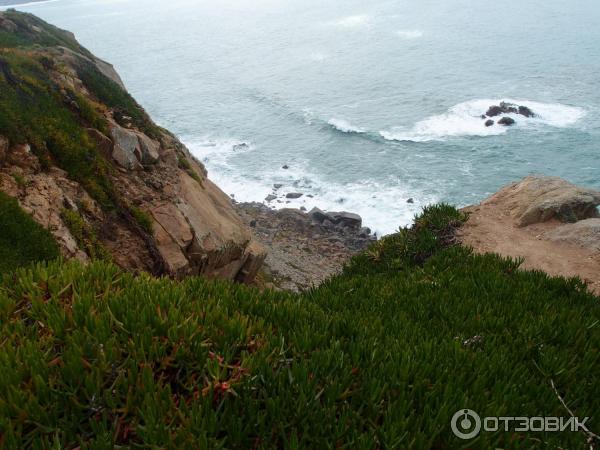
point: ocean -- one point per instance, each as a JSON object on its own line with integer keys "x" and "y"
{"x": 367, "y": 104}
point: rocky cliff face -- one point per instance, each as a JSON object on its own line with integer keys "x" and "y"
{"x": 87, "y": 162}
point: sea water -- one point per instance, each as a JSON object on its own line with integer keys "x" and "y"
{"x": 367, "y": 104}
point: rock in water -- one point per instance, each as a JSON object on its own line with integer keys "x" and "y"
{"x": 508, "y": 108}
{"x": 494, "y": 111}
{"x": 525, "y": 111}
{"x": 489, "y": 123}
{"x": 506, "y": 121}
{"x": 294, "y": 195}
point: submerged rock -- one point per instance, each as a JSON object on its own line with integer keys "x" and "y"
{"x": 489, "y": 123}
{"x": 293, "y": 195}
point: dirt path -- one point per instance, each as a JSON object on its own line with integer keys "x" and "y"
{"x": 491, "y": 228}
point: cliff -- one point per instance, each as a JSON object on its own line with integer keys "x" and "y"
{"x": 87, "y": 162}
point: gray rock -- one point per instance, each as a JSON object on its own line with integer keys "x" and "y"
{"x": 149, "y": 150}
{"x": 285, "y": 166}
{"x": 410, "y": 200}
{"x": 126, "y": 151}
{"x": 506, "y": 121}
{"x": 538, "y": 199}
{"x": 318, "y": 215}
{"x": 489, "y": 123}
{"x": 525, "y": 111}
{"x": 270, "y": 197}
{"x": 294, "y": 195}
{"x": 345, "y": 219}
{"x": 585, "y": 233}
{"x": 277, "y": 186}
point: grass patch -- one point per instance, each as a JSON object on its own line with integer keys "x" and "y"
{"x": 143, "y": 219}
{"x": 111, "y": 94}
{"x": 184, "y": 164}
{"x": 22, "y": 240}
{"x": 380, "y": 356}
{"x": 84, "y": 235}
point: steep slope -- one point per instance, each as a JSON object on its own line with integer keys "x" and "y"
{"x": 379, "y": 357}
{"x": 88, "y": 163}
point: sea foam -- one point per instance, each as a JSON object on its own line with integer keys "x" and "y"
{"x": 465, "y": 119}
{"x": 344, "y": 126}
{"x": 381, "y": 203}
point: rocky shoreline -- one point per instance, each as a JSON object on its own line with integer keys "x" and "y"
{"x": 303, "y": 248}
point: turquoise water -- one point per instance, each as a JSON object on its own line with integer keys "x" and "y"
{"x": 368, "y": 103}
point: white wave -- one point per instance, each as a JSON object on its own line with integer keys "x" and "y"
{"x": 382, "y": 205}
{"x": 409, "y": 34}
{"x": 355, "y": 21}
{"x": 465, "y": 119}
{"x": 345, "y": 126}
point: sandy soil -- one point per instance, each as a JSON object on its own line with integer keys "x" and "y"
{"x": 491, "y": 229}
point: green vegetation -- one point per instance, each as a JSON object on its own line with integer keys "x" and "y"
{"x": 143, "y": 219}
{"x": 22, "y": 240}
{"x": 111, "y": 94}
{"x": 84, "y": 235}
{"x": 380, "y": 356}
{"x": 32, "y": 31}
{"x": 33, "y": 111}
{"x": 185, "y": 165}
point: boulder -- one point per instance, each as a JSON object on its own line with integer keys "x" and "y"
{"x": 538, "y": 199}
{"x": 270, "y": 197}
{"x": 294, "y": 195}
{"x": 489, "y": 123}
{"x": 126, "y": 150}
{"x": 525, "y": 111}
{"x": 494, "y": 111}
{"x": 285, "y": 166}
{"x": 277, "y": 186}
{"x": 585, "y": 233}
{"x": 506, "y": 121}
{"x": 345, "y": 219}
{"x": 318, "y": 215}
{"x": 410, "y": 200}
{"x": 149, "y": 150}
{"x": 508, "y": 108}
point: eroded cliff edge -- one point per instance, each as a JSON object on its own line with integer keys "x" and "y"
{"x": 86, "y": 161}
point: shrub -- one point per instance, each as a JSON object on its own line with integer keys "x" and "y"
{"x": 143, "y": 219}
{"x": 22, "y": 240}
{"x": 33, "y": 111}
{"x": 84, "y": 235}
{"x": 371, "y": 359}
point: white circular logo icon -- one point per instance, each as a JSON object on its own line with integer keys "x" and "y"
{"x": 466, "y": 424}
